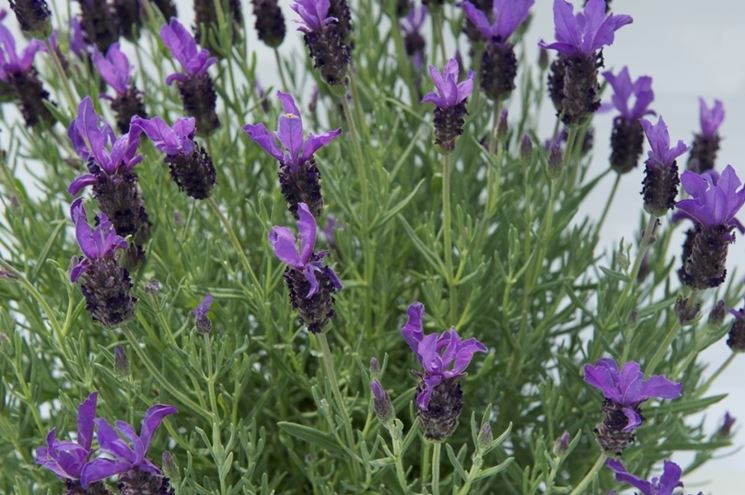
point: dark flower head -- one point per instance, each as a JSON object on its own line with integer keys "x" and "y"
{"x": 33, "y": 16}
{"x": 443, "y": 356}
{"x": 193, "y": 59}
{"x": 295, "y": 149}
{"x": 448, "y": 91}
{"x": 710, "y": 118}
{"x": 661, "y": 154}
{"x": 94, "y": 140}
{"x": 314, "y": 14}
{"x": 665, "y": 485}
{"x": 114, "y": 68}
{"x": 585, "y": 32}
{"x": 285, "y": 247}
{"x": 627, "y": 386}
{"x": 507, "y": 16}
{"x": 64, "y": 458}
{"x": 624, "y": 88}
{"x": 712, "y": 201}
{"x": 94, "y": 243}
{"x": 10, "y": 60}
{"x": 126, "y": 448}
{"x": 176, "y": 140}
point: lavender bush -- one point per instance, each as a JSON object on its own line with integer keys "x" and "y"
{"x": 224, "y": 286}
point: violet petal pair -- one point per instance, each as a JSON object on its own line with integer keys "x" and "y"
{"x": 448, "y": 91}
{"x": 176, "y": 140}
{"x": 661, "y": 153}
{"x": 94, "y": 243}
{"x": 64, "y": 458}
{"x": 628, "y": 387}
{"x": 114, "y": 68}
{"x": 624, "y": 88}
{"x": 585, "y": 32}
{"x": 665, "y": 485}
{"x": 314, "y": 14}
{"x": 507, "y": 15}
{"x": 443, "y": 356}
{"x": 295, "y": 149}
{"x": 284, "y": 245}
{"x": 126, "y": 448}
{"x": 184, "y": 48}
{"x": 713, "y": 201}
{"x": 10, "y": 60}
{"x": 204, "y": 306}
{"x": 710, "y": 118}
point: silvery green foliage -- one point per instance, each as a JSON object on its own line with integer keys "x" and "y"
{"x": 488, "y": 236}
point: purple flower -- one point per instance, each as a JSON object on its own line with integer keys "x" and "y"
{"x": 64, "y": 458}
{"x": 726, "y": 429}
{"x": 628, "y": 388}
{"x": 710, "y": 118}
{"x": 669, "y": 481}
{"x": 414, "y": 42}
{"x": 78, "y": 44}
{"x": 127, "y": 449}
{"x": 295, "y": 149}
{"x": 713, "y": 201}
{"x": 661, "y": 154}
{"x": 201, "y": 314}
{"x": 285, "y": 247}
{"x": 176, "y": 140}
{"x": 585, "y": 32}
{"x": 114, "y": 68}
{"x": 443, "y": 356}
{"x": 10, "y": 61}
{"x": 507, "y": 15}
{"x": 314, "y": 14}
{"x": 184, "y": 48}
{"x": 448, "y": 91}
{"x": 624, "y": 88}
{"x": 94, "y": 243}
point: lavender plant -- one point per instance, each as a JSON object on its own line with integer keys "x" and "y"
{"x": 246, "y": 342}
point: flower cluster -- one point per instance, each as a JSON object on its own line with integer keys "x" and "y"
{"x": 116, "y": 71}
{"x": 33, "y": 17}
{"x": 326, "y": 36}
{"x": 270, "y": 23}
{"x": 99, "y": 23}
{"x": 123, "y": 448}
{"x": 664, "y": 485}
{"x": 660, "y": 185}
{"x": 449, "y": 98}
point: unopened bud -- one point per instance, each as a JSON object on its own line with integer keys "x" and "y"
{"x": 381, "y": 402}
{"x": 502, "y": 125}
{"x": 717, "y": 314}
{"x": 526, "y": 147}
{"x": 686, "y": 309}
{"x": 169, "y": 464}
{"x": 374, "y": 367}
{"x": 555, "y": 160}
{"x": 485, "y": 436}
{"x": 726, "y": 429}
{"x": 543, "y": 59}
{"x": 562, "y": 443}
{"x": 121, "y": 363}
{"x": 153, "y": 286}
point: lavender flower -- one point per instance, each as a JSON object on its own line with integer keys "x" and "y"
{"x": 78, "y": 45}
{"x": 310, "y": 281}
{"x": 201, "y": 314}
{"x": 299, "y": 177}
{"x": 33, "y": 16}
{"x": 726, "y": 429}
{"x": 110, "y": 163}
{"x": 414, "y": 42}
{"x": 270, "y": 23}
{"x": 498, "y": 62}
{"x": 624, "y": 391}
{"x": 713, "y": 205}
{"x": 706, "y": 143}
{"x": 64, "y": 458}
{"x": 660, "y": 185}
{"x": 449, "y": 98}
{"x": 325, "y": 39}
{"x": 128, "y": 18}
{"x": 206, "y": 23}
{"x": 665, "y": 485}
{"x": 195, "y": 84}
{"x": 189, "y": 163}
{"x": 736, "y": 336}
{"x": 381, "y": 402}
{"x": 444, "y": 358}
{"x": 472, "y": 31}
{"x": 121, "y": 363}
{"x": 117, "y": 72}
{"x": 99, "y": 24}
{"x": 137, "y": 474}
{"x": 579, "y": 41}
{"x": 18, "y": 72}
{"x": 627, "y": 139}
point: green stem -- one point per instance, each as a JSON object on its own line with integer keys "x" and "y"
{"x": 590, "y": 476}
{"x": 425, "y": 463}
{"x": 713, "y": 377}
{"x": 472, "y": 473}
{"x": 63, "y": 77}
{"x": 447, "y": 234}
{"x": 439, "y": 21}
{"x": 671, "y": 333}
{"x": 397, "y": 449}
{"x": 436, "y": 448}
{"x": 281, "y": 69}
{"x": 608, "y": 202}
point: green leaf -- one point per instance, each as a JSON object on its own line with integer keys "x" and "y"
{"x": 312, "y": 436}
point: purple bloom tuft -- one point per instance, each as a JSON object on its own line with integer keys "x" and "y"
{"x": 126, "y": 448}
{"x": 585, "y": 32}
{"x": 414, "y": 42}
{"x": 64, "y": 458}
{"x": 314, "y": 14}
{"x": 711, "y": 118}
{"x": 175, "y": 140}
{"x": 661, "y": 170}
{"x": 448, "y": 91}
{"x": 661, "y": 154}
{"x": 94, "y": 243}
{"x": 665, "y": 485}
{"x": 706, "y": 143}
{"x": 507, "y": 16}
{"x": 201, "y": 314}
{"x": 33, "y": 16}
{"x": 624, "y": 89}
{"x": 78, "y": 45}
{"x": 726, "y": 429}
{"x": 327, "y": 37}
{"x": 713, "y": 201}
{"x": 114, "y": 68}
{"x": 184, "y": 48}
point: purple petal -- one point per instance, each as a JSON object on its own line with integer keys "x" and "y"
{"x": 307, "y": 227}
{"x": 78, "y": 269}
{"x": 90, "y": 132}
{"x": 313, "y": 14}
{"x": 710, "y": 118}
{"x": 100, "y": 469}
{"x": 508, "y": 15}
{"x": 412, "y": 331}
{"x": 314, "y": 143}
{"x": 428, "y": 355}
{"x": 163, "y": 137}
{"x": 567, "y": 29}
{"x": 150, "y": 423}
{"x": 176, "y": 76}
{"x": 114, "y": 68}
{"x": 422, "y": 398}
{"x": 81, "y": 182}
{"x": 83, "y": 231}
{"x": 670, "y": 479}
{"x": 660, "y": 387}
{"x": 86, "y": 415}
{"x": 603, "y": 376}
{"x": 264, "y": 138}
{"x": 134, "y": 440}
{"x": 203, "y": 307}
{"x": 290, "y": 128}
{"x": 282, "y": 241}
{"x": 479, "y": 19}
{"x": 109, "y": 440}
{"x": 466, "y": 349}
{"x": 310, "y": 276}
{"x": 634, "y": 420}
{"x": 622, "y": 475}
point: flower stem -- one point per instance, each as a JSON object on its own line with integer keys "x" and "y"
{"x": 447, "y": 235}
{"x": 395, "y": 431}
{"x": 62, "y": 75}
{"x": 590, "y": 476}
{"x": 436, "y": 468}
{"x": 281, "y": 70}
{"x": 608, "y": 202}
